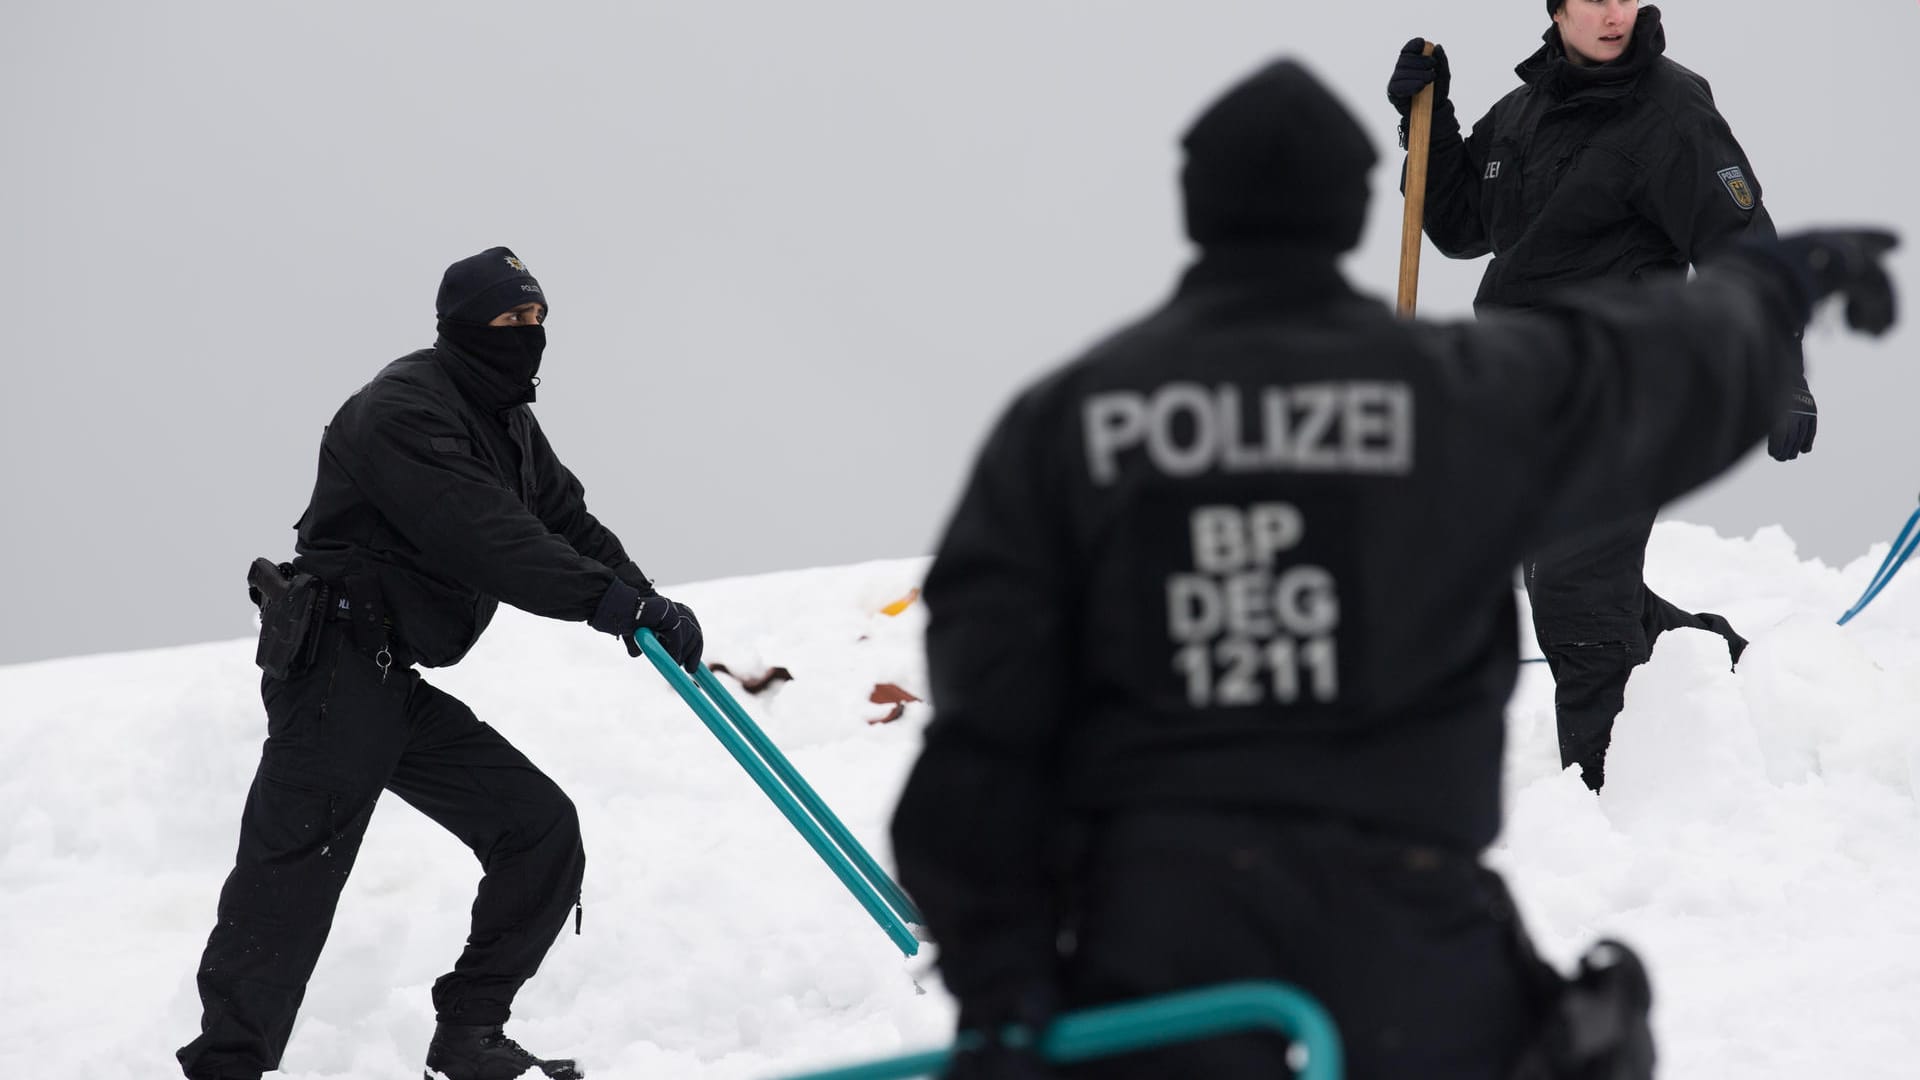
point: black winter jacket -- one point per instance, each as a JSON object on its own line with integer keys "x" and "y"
{"x": 1256, "y": 552}
{"x": 451, "y": 505}
{"x": 1615, "y": 172}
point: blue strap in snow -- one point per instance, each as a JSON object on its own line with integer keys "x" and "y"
{"x": 1903, "y": 546}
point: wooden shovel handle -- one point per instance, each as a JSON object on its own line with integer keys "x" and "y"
{"x": 1419, "y": 138}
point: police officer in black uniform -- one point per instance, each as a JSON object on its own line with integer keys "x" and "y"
{"x": 438, "y": 497}
{"x": 1222, "y": 629}
{"x": 1609, "y": 163}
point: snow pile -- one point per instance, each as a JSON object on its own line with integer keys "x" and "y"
{"x": 1757, "y": 840}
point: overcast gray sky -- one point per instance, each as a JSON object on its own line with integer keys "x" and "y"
{"x": 799, "y": 253}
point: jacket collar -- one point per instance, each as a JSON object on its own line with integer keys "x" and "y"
{"x": 1293, "y": 276}
{"x": 1549, "y": 70}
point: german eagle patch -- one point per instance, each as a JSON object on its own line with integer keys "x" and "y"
{"x": 1737, "y": 187}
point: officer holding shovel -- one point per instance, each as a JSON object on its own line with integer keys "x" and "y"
{"x": 1610, "y": 163}
{"x": 437, "y": 498}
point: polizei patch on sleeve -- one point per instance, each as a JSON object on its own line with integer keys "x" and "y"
{"x": 1737, "y": 187}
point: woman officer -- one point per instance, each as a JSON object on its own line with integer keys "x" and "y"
{"x": 1610, "y": 162}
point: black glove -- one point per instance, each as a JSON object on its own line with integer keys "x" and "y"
{"x": 1847, "y": 262}
{"x": 1793, "y": 432}
{"x": 1413, "y": 71}
{"x": 1597, "y": 1028}
{"x": 1604, "y": 1027}
{"x": 624, "y": 609}
{"x": 984, "y": 1051}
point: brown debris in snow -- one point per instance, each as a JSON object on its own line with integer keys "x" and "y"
{"x": 754, "y": 684}
{"x": 887, "y": 693}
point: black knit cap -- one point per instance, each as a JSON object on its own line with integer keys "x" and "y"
{"x": 1277, "y": 159}
{"x": 480, "y": 287}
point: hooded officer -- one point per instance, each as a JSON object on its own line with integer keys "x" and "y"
{"x": 437, "y": 497}
{"x": 1222, "y": 629}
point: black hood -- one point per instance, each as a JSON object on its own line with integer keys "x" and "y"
{"x": 1549, "y": 67}
{"x": 1277, "y": 160}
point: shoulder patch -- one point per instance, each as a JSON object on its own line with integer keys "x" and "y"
{"x": 1737, "y": 187}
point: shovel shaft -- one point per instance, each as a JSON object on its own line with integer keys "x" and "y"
{"x": 1419, "y": 140}
{"x": 796, "y": 813}
{"x": 816, "y": 807}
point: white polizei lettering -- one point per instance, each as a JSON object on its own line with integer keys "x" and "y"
{"x": 1306, "y": 600}
{"x": 1238, "y": 684}
{"x": 1277, "y": 422}
{"x": 1167, "y": 404}
{"x": 1193, "y": 607}
{"x": 1317, "y": 407}
{"x": 1283, "y": 662}
{"x": 1303, "y": 602}
{"x": 1227, "y": 538}
{"x": 1247, "y": 628}
{"x": 1115, "y": 421}
{"x": 1194, "y": 664}
{"x": 1271, "y": 529}
{"x": 1321, "y": 656}
{"x": 1236, "y": 455}
{"x": 1378, "y": 427}
{"x": 1187, "y": 429}
{"x": 1219, "y": 539}
{"x": 1248, "y": 603}
{"x": 1399, "y": 458}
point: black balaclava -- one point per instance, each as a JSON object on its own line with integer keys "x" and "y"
{"x": 506, "y": 359}
{"x": 1277, "y": 160}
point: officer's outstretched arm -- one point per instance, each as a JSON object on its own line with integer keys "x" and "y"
{"x": 1635, "y": 395}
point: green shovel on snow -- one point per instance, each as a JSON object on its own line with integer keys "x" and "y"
{"x": 849, "y": 861}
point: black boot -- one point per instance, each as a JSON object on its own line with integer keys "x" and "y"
{"x": 485, "y": 1053}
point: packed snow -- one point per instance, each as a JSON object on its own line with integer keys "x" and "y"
{"x": 1757, "y": 840}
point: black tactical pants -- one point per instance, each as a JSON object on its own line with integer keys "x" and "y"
{"x": 1416, "y": 952}
{"x": 337, "y": 735}
{"x": 1596, "y": 620}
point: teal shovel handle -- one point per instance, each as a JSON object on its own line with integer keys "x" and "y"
{"x": 816, "y": 807}
{"x": 1159, "y": 1021}
{"x": 796, "y": 814}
